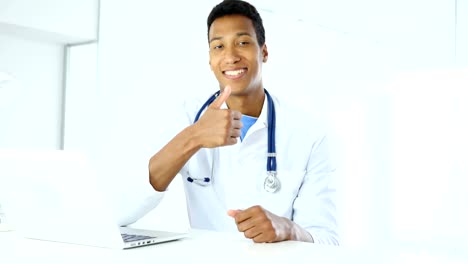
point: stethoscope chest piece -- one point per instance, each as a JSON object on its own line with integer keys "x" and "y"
{"x": 272, "y": 183}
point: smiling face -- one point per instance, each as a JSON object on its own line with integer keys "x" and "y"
{"x": 235, "y": 56}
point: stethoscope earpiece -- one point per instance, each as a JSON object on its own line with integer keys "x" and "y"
{"x": 200, "y": 181}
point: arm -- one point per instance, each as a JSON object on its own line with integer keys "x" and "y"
{"x": 177, "y": 152}
{"x": 217, "y": 127}
{"x": 314, "y": 208}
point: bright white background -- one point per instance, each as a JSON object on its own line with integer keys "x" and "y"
{"x": 389, "y": 76}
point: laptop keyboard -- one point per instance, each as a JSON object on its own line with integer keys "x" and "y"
{"x": 131, "y": 238}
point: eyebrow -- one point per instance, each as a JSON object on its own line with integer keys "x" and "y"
{"x": 237, "y": 34}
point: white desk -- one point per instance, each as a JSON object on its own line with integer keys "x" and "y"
{"x": 210, "y": 247}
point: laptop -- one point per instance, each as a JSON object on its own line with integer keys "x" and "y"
{"x": 55, "y": 195}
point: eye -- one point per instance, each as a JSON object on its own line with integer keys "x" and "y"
{"x": 244, "y": 43}
{"x": 217, "y": 47}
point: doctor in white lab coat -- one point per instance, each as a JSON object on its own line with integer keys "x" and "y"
{"x": 222, "y": 156}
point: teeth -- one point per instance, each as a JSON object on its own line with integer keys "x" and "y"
{"x": 234, "y": 73}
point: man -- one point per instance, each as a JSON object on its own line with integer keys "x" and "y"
{"x": 227, "y": 149}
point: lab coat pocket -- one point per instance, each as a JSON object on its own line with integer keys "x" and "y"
{"x": 281, "y": 202}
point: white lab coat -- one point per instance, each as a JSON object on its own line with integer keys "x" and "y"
{"x": 238, "y": 172}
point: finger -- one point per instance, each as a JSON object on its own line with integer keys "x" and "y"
{"x": 236, "y": 115}
{"x": 247, "y": 224}
{"x": 252, "y": 233}
{"x": 233, "y": 213}
{"x": 221, "y": 98}
{"x": 242, "y": 216}
{"x": 235, "y": 130}
{"x": 231, "y": 141}
{"x": 250, "y": 217}
{"x": 253, "y": 211}
{"x": 263, "y": 238}
{"x": 236, "y": 133}
{"x": 242, "y": 221}
{"x": 237, "y": 124}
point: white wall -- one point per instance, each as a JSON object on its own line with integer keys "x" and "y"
{"x": 33, "y": 35}
{"x": 64, "y": 21}
{"x": 462, "y": 33}
{"x": 81, "y": 104}
{"x": 428, "y": 156}
{"x": 31, "y": 117}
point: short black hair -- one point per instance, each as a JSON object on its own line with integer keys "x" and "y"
{"x": 238, "y": 7}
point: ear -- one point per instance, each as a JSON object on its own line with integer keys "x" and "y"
{"x": 265, "y": 53}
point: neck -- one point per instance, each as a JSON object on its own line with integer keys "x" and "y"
{"x": 249, "y": 104}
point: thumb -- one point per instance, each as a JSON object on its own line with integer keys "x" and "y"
{"x": 221, "y": 98}
{"x": 233, "y": 213}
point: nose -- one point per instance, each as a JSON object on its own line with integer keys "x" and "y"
{"x": 231, "y": 56}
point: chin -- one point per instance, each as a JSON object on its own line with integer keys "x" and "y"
{"x": 236, "y": 89}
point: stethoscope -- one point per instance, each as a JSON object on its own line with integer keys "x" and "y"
{"x": 271, "y": 183}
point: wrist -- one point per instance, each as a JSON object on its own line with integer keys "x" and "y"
{"x": 193, "y": 142}
{"x": 297, "y": 233}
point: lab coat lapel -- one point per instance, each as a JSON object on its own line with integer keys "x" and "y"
{"x": 262, "y": 121}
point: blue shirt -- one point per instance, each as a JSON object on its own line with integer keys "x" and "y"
{"x": 247, "y": 122}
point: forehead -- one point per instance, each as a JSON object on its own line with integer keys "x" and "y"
{"x": 231, "y": 24}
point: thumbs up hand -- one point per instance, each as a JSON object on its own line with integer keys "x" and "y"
{"x": 222, "y": 97}
{"x": 219, "y": 127}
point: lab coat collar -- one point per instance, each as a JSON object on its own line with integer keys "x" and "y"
{"x": 262, "y": 121}
{"x": 263, "y": 118}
